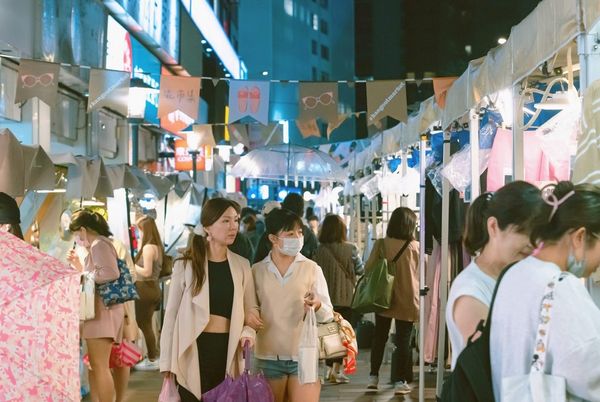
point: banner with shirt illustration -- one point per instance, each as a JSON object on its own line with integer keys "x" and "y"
{"x": 249, "y": 99}
{"x": 37, "y": 79}
{"x": 179, "y": 93}
{"x": 386, "y": 98}
{"x": 318, "y": 99}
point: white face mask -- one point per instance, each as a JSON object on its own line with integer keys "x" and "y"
{"x": 291, "y": 245}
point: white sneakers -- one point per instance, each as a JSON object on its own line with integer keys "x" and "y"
{"x": 402, "y": 388}
{"x": 147, "y": 365}
{"x": 337, "y": 378}
{"x": 373, "y": 382}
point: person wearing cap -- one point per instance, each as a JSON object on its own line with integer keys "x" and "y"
{"x": 10, "y": 216}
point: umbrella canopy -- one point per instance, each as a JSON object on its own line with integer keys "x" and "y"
{"x": 39, "y": 325}
{"x": 291, "y": 162}
{"x": 39, "y": 169}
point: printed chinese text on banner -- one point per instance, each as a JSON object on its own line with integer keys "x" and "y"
{"x": 249, "y": 98}
{"x": 37, "y": 79}
{"x": 110, "y": 89}
{"x": 179, "y": 93}
{"x": 386, "y": 98}
{"x": 318, "y": 100}
{"x": 440, "y": 89}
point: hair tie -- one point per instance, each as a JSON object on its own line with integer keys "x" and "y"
{"x": 199, "y": 230}
{"x": 550, "y": 199}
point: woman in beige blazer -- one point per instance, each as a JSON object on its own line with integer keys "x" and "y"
{"x": 210, "y": 289}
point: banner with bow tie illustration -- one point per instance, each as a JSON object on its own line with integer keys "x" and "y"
{"x": 318, "y": 100}
{"x": 37, "y": 79}
{"x": 249, "y": 99}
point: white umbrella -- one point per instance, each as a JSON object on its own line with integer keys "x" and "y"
{"x": 291, "y": 162}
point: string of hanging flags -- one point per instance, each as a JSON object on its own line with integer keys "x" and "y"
{"x": 248, "y": 101}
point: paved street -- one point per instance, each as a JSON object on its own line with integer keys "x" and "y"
{"x": 145, "y": 387}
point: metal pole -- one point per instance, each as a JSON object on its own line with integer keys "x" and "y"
{"x": 474, "y": 140}
{"x": 194, "y": 168}
{"x": 518, "y": 137}
{"x": 422, "y": 285}
{"x": 444, "y": 270}
{"x": 135, "y": 133}
{"x": 129, "y": 234}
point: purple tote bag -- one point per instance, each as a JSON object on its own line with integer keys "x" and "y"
{"x": 246, "y": 388}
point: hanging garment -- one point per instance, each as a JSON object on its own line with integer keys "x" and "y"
{"x": 432, "y": 278}
{"x": 587, "y": 161}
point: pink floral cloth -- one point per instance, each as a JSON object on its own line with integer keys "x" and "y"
{"x": 39, "y": 325}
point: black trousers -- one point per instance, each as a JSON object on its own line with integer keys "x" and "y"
{"x": 403, "y": 353}
{"x": 212, "y": 356}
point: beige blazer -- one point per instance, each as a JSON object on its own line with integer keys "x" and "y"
{"x": 186, "y": 316}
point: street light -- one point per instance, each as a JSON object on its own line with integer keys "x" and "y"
{"x": 197, "y": 137}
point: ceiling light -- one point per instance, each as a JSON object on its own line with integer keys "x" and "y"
{"x": 501, "y": 41}
{"x": 208, "y": 49}
{"x": 265, "y": 73}
{"x": 203, "y": 41}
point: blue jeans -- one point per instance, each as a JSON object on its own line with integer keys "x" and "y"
{"x": 277, "y": 369}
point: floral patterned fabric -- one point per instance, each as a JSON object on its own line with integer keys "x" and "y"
{"x": 39, "y": 325}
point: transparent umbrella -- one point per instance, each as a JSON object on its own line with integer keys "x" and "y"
{"x": 287, "y": 162}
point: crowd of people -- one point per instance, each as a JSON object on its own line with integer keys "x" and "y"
{"x": 248, "y": 279}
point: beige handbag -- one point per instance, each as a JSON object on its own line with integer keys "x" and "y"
{"x": 330, "y": 341}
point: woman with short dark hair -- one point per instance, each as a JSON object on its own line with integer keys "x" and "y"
{"x": 402, "y": 253}
{"x": 10, "y": 216}
{"x": 340, "y": 263}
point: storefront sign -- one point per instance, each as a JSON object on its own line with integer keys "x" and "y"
{"x": 183, "y": 159}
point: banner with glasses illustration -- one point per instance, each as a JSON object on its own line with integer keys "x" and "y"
{"x": 37, "y": 79}
{"x": 318, "y": 100}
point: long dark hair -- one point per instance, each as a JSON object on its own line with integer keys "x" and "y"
{"x": 579, "y": 207}
{"x": 197, "y": 252}
{"x": 333, "y": 230}
{"x": 517, "y": 203}
{"x": 150, "y": 236}
{"x": 90, "y": 220}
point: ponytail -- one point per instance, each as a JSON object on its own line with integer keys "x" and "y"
{"x": 476, "y": 235}
{"x": 516, "y": 204}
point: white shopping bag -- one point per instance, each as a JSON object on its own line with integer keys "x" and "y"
{"x": 86, "y": 297}
{"x": 308, "y": 350}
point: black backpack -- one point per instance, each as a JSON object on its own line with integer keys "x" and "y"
{"x": 471, "y": 380}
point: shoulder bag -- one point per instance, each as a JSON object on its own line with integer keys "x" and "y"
{"x": 374, "y": 290}
{"x": 121, "y": 289}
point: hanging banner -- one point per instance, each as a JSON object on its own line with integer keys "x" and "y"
{"x": 249, "y": 98}
{"x": 259, "y": 136}
{"x": 336, "y": 123}
{"x": 179, "y": 93}
{"x": 37, "y": 79}
{"x": 110, "y": 89}
{"x": 440, "y": 89}
{"x": 205, "y": 134}
{"x": 238, "y": 134}
{"x": 386, "y": 98}
{"x": 318, "y": 100}
{"x": 308, "y": 128}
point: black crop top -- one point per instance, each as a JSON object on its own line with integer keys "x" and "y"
{"x": 220, "y": 285}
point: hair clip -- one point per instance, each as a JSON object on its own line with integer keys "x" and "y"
{"x": 550, "y": 199}
{"x": 199, "y": 230}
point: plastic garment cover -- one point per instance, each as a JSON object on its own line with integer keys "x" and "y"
{"x": 458, "y": 170}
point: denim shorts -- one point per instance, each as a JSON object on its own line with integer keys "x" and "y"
{"x": 275, "y": 369}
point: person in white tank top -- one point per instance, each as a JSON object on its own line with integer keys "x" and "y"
{"x": 497, "y": 234}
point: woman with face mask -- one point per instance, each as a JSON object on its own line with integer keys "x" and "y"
{"x": 91, "y": 231}
{"x": 498, "y": 226}
{"x": 568, "y": 235}
{"x": 210, "y": 291}
{"x": 287, "y": 284}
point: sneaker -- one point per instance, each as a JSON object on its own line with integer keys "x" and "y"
{"x": 340, "y": 378}
{"x": 373, "y": 382}
{"x": 402, "y": 388}
{"x": 147, "y": 365}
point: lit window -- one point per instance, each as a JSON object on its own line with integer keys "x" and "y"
{"x": 288, "y": 6}
{"x": 315, "y": 22}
